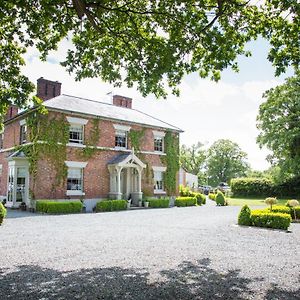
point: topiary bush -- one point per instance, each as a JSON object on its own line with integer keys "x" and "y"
{"x": 262, "y": 218}
{"x": 111, "y": 205}
{"x": 271, "y": 201}
{"x": 185, "y": 191}
{"x": 159, "y": 203}
{"x": 212, "y": 196}
{"x": 244, "y": 217}
{"x": 58, "y": 207}
{"x": 185, "y": 201}
{"x": 220, "y": 199}
{"x": 3, "y": 212}
{"x": 201, "y": 199}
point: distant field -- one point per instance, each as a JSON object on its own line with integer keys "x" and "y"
{"x": 252, "y": 202}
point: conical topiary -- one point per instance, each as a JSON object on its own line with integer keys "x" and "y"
{"x": 245, "y": 216}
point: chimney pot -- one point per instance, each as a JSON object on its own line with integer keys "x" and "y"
{"x": 122, "y": 101}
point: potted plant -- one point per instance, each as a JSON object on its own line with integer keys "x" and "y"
{"x": 140, "y": 203}
{"x": 146, "y": 203}
{"x": 23, "y": 206}
{"x": 128, "y": 204}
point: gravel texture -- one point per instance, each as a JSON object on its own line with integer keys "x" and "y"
{"x": 176, "y": 253}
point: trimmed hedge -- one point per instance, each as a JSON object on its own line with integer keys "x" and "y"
{"x": 159, "y": 203}
{"x": 201, "y": 199}
{"x": 245, "y": 216}
{"x": 185, "y": 201}
{"x": 254, "y": 187}
{"x": 58, "y": 207}
{"x": 3, "y": 212}
{"x": 273, "y": 220}
{"x": 286, "y": 210}
{"x": 111, "y": 205}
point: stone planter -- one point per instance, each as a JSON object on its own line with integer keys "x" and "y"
{"x": 140, "y": 203}
{"x": 146, "y": 204}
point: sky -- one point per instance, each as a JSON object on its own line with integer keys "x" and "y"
{"x": 205, "y": 110}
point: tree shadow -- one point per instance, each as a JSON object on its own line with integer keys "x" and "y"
{"x": 188, "y": 281}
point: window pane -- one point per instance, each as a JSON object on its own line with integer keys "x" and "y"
{"x": 76, "y": 134}
{"x": 120, "y": 141}
{"x": 74, "y": 173}
{"x": 74, "y": 181}
{"x": 158, "y": 144}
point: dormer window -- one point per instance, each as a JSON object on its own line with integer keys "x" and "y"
{"x": 158, "y": 141}
{"x": 121, "y": 136}
{"x": 76, "y": 131}
{"x": 23, "y": 132}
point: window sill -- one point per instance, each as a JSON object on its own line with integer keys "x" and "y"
{"x": 75, "y": 193}
{"x": 159, "y": 152}
{"x": 120, "y": 148}
{"x": 78, "y": 145}
{"x": 159, "y": 192}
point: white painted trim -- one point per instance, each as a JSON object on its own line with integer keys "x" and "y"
{"x": 158, "y": 133}
{"x": 22, "y": 122}
{"x": 156, "y": 192}
{"x": 121, "y": 127}
{"x": 159, "y": 169}
{"x": 75, "y": 193}
{"x": 76, "y": 145}
{"x": 75, "y": 164}
{"x": 79, "y": 121}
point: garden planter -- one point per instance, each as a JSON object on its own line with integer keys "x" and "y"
{"x": 140, "y": 203}
{"x": 146, "y": 204}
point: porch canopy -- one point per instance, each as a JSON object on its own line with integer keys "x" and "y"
{"x": 126, "y": 177}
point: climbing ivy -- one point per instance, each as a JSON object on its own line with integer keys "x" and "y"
{"x": 48, "y": 138}
{"x": 171, "y": 159}
{"x": 135, "y": 137}
{"x": 91, "y": 141}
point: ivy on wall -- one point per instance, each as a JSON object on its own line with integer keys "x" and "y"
{"x": 91, "y": 141}
{"x": 48, "y": 138}
{"x": 171, "y": 159}
{"x": 135, "y": 138}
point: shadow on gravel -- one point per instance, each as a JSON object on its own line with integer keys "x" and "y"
{"x": 188, "y": 281}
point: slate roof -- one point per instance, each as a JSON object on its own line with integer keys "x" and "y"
{"x": 119, "y": 158}
{"x": 17, "y": 153}
{"x": 100, "y": 109}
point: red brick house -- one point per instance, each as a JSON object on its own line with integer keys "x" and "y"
{"x": 85, "y": 149}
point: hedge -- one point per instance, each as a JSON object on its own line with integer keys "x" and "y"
{"x": 2, "y": 213}
{"x": 286, "y": 210}
{"x": 159, "y": 203}
{"x": 254, "y": 187}
{"x": 111, "y": 205}
{"x": 185, "y": 201}
{"x": 262, "y": 218}
{"x": 201, "y": 198}
{"x": 58, "y": 207}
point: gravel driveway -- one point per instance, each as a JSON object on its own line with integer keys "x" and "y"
{"x": 177, "y": 253}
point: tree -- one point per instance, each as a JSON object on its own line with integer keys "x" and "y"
{"x": 279, "y": 124}
{"x": 225, "y": 160}
{"x": 151, "y": 43}
{"x": 192, "y": 158}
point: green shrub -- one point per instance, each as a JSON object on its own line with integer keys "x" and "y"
{"x": 294, "y": 212}
{"x": 244, "y": 217}
{"x": 159, "y": 203}
{"x": 254, "y": 187}
{"x": 280, "y": 209}
{"x": 220, "y": 199}
{"x": 212, "y": 196}
{"x": 262, "y": 218}
{"x": 58, "y": 207}
{"x": 185, "y": 201}
{"x": 111, "y": 205}
{"x": 185, "y": 191}
{"x": 201, "y": 199}
{"x": 2, "y": 213}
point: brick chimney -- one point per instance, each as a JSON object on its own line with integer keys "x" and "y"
{"x": 12, "y": 111}
{"x": 47, "y": 89}
{"x": 122, "y": 101}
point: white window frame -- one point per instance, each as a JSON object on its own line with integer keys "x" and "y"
{"x": 80, "y": 123}
{"x": 159, "y": 135}
{"x": 161, "y": 171}
{"x": 23, "y": 135}
{"x": 121, "y": 130}
{"x": 78, "y": 166}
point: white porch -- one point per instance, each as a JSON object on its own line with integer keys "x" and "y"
{"x": 126, "y": 177}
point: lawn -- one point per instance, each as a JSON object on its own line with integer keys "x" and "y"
{"x": 252, "y": 202}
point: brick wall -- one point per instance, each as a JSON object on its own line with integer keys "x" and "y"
{"x": 96, "y": 174}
